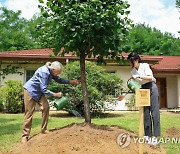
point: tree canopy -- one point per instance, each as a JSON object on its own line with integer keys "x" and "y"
{"x": 91, "y": 26}
{"x": 150, "y": 41}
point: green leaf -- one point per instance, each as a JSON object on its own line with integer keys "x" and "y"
{"x": 49, "y": 3}
{"x": 41, "y": 1}
{"x": 127, "y": 12}
{"x": 75, "y": 6}
{"x": 55, "y": 8}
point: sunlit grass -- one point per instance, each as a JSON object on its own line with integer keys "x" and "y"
{"x": 11, "y": 125}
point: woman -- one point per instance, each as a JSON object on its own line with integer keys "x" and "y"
{"x": 35, "y": 90}
{"x": 142, "y": 73}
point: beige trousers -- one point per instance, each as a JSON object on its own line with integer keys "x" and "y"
{"x": 30, "y": 104}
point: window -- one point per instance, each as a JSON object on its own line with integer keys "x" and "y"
{"x": 111, "y": 71}
{"x": 29, "y": 74}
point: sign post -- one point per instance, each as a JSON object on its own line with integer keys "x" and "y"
{"x": 142, "y": 99}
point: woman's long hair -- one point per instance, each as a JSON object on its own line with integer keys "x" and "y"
{"x": 132, "y": 57}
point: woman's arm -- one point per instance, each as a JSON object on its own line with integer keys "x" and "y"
{"x": 147, "y": 77}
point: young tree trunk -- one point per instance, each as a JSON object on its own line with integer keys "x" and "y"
{"x": 84, "y": 88}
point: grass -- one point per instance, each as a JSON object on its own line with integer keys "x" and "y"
{"x": 11, "y": 125}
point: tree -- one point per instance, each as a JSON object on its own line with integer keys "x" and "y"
{"x": 14, "y": 31}
{"x": 33, "y": 31}
{"x": 87, "y": 28}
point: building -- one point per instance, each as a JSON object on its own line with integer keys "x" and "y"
{"x": 166, "y": 70}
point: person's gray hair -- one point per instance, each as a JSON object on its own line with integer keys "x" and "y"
{"x": 54, "y": 65}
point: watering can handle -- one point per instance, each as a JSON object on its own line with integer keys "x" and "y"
{"x": 129, "y": 80}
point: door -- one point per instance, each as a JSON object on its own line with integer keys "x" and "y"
{"x": 161, "y": 84}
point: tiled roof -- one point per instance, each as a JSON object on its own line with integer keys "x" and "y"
{"x": 33, "y": 55}
{"x": 34, "y": 52}
{"x": 45, "y": 54}
{"x": 166, "y": 63}
{"x": 30, "y": 53}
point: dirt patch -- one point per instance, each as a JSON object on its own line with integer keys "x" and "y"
{"x": 172, "y": 132}
{"x": 81, "y": 139}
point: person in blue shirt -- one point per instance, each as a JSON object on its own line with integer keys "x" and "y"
{"x": 34, "y": 91}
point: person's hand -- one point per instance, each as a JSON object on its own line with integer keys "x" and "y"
{"x": 135, "y": 76}
{"x": 75, "y": 82}
{"x": 59, "y": 94}
{"x": 121, "y": 97}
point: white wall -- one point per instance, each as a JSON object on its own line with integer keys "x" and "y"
{"x": 12, "y": 76}
{"x": 122, "y": 71}
{"x": 172, "y": 91}
{"x": 22, "y": 68}
{"x": 178, "y": 90}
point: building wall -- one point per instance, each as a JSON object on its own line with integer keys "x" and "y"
{"x": 22, "y": 68}
{"x": 172, "y": 92}
{"x": 178, "y": 90}
{"x": 172, "y": 82}
{"x": 12, "y": 76}
{"x": 124, "y": 72}
{"x": 172, "y": 89}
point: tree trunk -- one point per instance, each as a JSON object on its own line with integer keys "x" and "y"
{"x": 84, "y": 88}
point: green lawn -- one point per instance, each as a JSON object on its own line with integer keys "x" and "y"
{"x": 11, "y": 125}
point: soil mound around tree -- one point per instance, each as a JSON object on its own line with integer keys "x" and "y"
{"x": 172, "y": 132}
{"x": 84, "y": 139}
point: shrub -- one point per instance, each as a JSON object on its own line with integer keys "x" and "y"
{"x": 101, "y": 87}
{"x": 130, "y": 103}
{"x": 13, "y": 96}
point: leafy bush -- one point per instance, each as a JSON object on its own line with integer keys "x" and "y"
{"x": 101, "y": 87}
{"x": 13, "y": 96}
{"x": 130, "y": 103}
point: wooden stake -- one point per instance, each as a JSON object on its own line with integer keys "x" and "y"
{"x": 142, "y": 99}
{"x": 141, "y": 128}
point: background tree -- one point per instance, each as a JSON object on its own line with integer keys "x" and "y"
{"x": 33, "y": 31}
{"x": 88, "y": 28}
{"x": 15, "y": 32}
{"x": 150, "y": 41}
